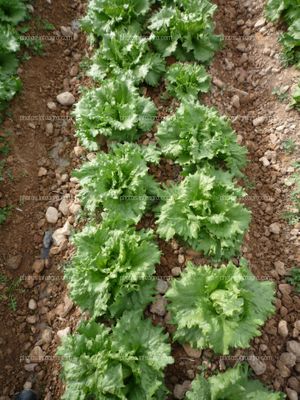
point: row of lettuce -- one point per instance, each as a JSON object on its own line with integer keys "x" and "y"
{"x": 117, "y": 353}
{"x": 288, "y": 11}
{"x": 12, "y": 12}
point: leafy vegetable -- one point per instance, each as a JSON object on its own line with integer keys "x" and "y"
{"x": 291, "y": 43}
{"x": 9, "y": 86}
{"x": 187, "y": 34}
{"x": 125, "y": 52}
{"x": 219, "y": 308}
{"x": 12, "y": 11}
{"x": 232, "y": 385}
{"x": 296, "y": 97}
{"x": 204, "y": 210}
{"x": 196, "y": 134}
{"x": 104, "y": 17}
{"x": 115, "y": 110}
{"x": 185, "y": 81}
{"x": 111, "y": 271}
{"x": 124, "y": 363}
{"x": 118, "y": 182}
{"x": 289, "y": 9}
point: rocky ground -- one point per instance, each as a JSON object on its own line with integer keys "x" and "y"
{"x": 43, "y": 192}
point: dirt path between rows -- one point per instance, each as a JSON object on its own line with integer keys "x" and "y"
{"x": 41, "y": 142}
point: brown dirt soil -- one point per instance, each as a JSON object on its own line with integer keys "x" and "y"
{"x": 43, "y": 77}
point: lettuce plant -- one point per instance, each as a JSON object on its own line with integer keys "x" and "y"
{"x": 186, "y": 33}
{"x": 196, "y": 134}
{"x": 115, "y": 110}
{"x": 290, "y": 41}
{"x": 204, "y": 211}
{"x": 124, "y": 52}
{"x": 219, "y": 308}
{"x": 12, "y": 11}
{"x": 233, "y": 384}
{"x": 126, "y": 362}
{"x": 287, "y": 9}
{"x": 118, "y": 182}
{"x": 112, "y": 269}
{"x": 185, "y": 81}
{"x": 103, "y": 16}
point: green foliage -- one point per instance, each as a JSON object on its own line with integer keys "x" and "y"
{"x": 233, "y": 384}
{"x": 104, "y": 17}
{"x": 8, "y": 88}
{"x": 4, "y": 213}
{"x": 294, "y": 278}
{"x": 124, "y": 52}
{"x": 186, "y": 33}
{"x": 112, "y": 269}
{"x": 196, "y": 134}
{"x": 296, "y": 97}
{"x": 204, "y": 211}
{"x": 185, "y": 81}
{"x": 290, "y": 41}
{"x": 124, "y": 363}
{"x": 118, "y": 182}
{"x": 12, "y": 11}
{"x": 219, "y": 308}
{"x": 9, "y": 288}
{"x": 289, "y": 145}
{"x": 289, "y": 10}
{"x": 115, "y": 110}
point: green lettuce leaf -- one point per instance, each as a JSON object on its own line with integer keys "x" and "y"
{"x": 196, "y": 134}
{"x": 233, "y": 384}
{"x": 204, "y": 211}
{"x": 113, "y": 269}
{"x": 185, "y": 81}
{"x": 125, "y": 363}
{"x": 103, "y": 16}
{"x": 115, "y": 110}
{"x": 118, "y": 182}
{"x": 187, "y": 33}
{"x": 219, "y": 308}
{"x": 12, "y": 11}
{"x": 124, "y": 52}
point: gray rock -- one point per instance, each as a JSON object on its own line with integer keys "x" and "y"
{"x": 162, "y": 286}
{"x": 159, "y": 306}
{"x": 294, "y": 347}
{"x": 258, "y": 121}
{"x": 66, "y": 99}
{"x": 180, "y": 390}
{"x": 258, "y": 366}
{"x": 14, "y": 262}
{"x": 51, "y": 105}
{"x": 52, "y": 215}
{"x": 37, "y": 355}
{"x": 49, "y": 128}
{"x": 176, "y": 271}
{"x": 292, "y": 394}
{"x": 64, "y": 207}
{"x": 283, "y": 328}
{"x": 280, "y": 269}
{"x": 288, "y": 359}
{"x": 32, "y": 305}
{"x": 275, "y": 228}
{"x": 194, "y": 353}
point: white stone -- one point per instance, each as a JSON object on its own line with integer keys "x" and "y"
{"x": 66, "y": 99}
{"x": 283, "y": 328}
{"x": 258, "y": 121}
{"x": 64, "y": 207}
{"x": 258, "y": 366}
{"x": 32, "y": 305}
{"x": 52, "y": 215}
{"x": 63, "y": 332}
{"x": 275, "y": 228}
